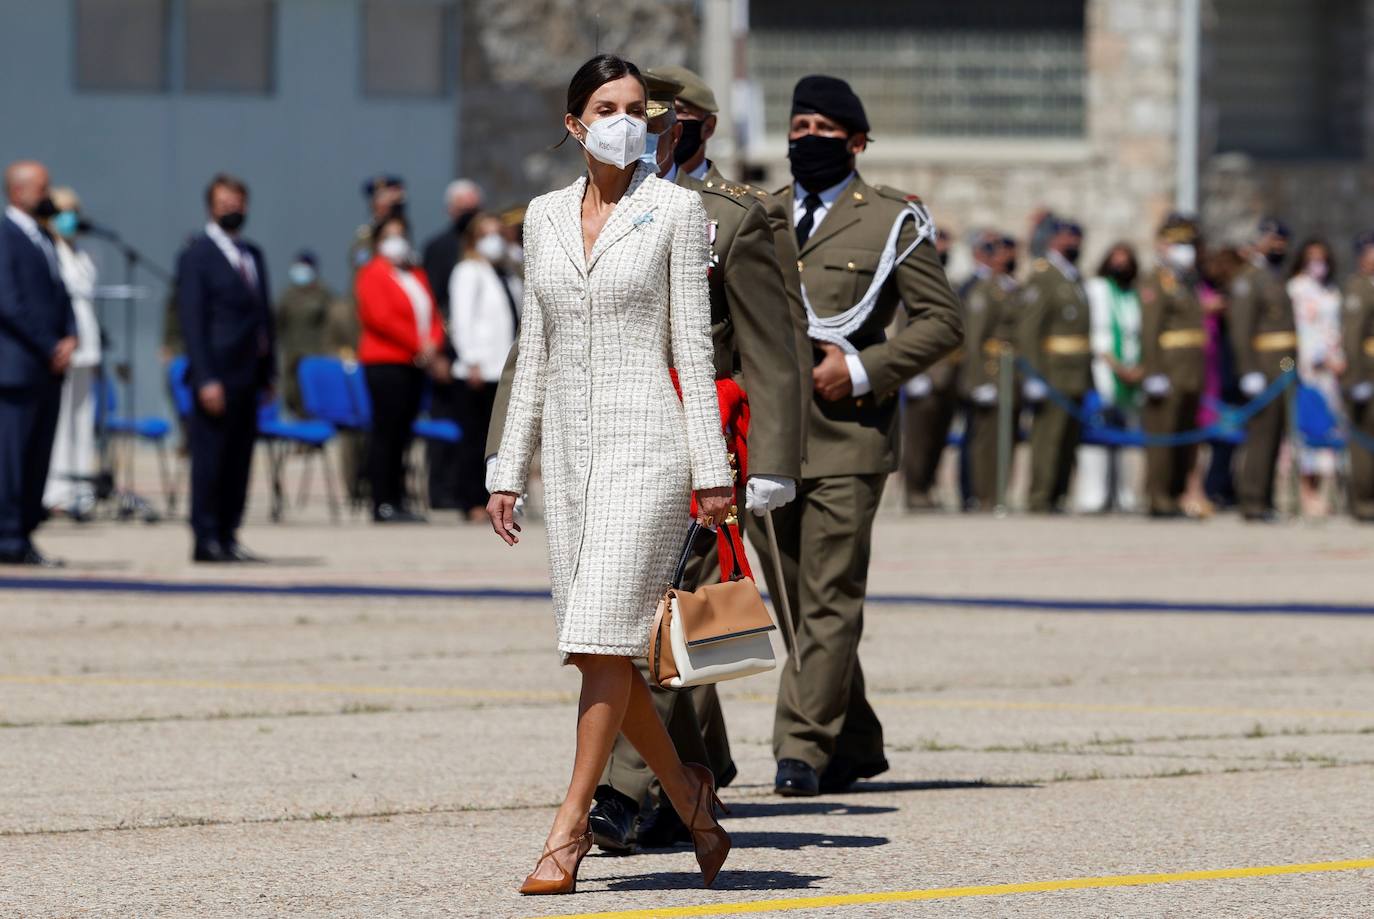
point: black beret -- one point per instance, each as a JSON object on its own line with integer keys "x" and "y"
{"x": 1273, "y": 225}
{"x": 831, "y": 97}
{"x": 1065, "y": 225}
{"x": 382, "y": 181}
{"x": 307, "y": 256}
{"x": 1364, "y": 241}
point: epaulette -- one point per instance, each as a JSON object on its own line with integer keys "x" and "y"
{"x": 897, "y": 194}
{"x": 1041, "y": 264}
{"x": 728, "y": 190}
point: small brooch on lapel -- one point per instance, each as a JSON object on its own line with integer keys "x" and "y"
{"x": 643, "y": 219}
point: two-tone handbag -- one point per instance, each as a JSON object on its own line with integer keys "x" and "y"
{"x": 714, "y": 633}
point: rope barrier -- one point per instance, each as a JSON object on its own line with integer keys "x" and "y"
{"x": 1230, "y": 423}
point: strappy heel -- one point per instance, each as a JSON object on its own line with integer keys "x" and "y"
{"x": 534, "y": 886}
{"x": 712, "y": 843}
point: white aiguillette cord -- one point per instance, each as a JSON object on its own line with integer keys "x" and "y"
{"x": 786, "y": 616}
{"x": 837, "y": 329}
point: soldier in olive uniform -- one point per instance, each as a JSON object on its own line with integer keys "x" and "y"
{"x": 927, "y": 415}
{"x": 1171, "y": 343}
{"x": 1264, "y": 341}
{"x": 1357, "y": 332}
{"x": 752, "y": 331}
{"x": 308, "y": 317}
{"x": 386, "y": 196}
{"x": 989, "y": 330}
{"x": 1053, "y": 337}
{"x": 826, "y": 735}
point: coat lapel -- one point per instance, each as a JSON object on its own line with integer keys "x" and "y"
{"x": 637, "y": 202}
{"x": 843, "y": 213}
{"x": 566, "y": 219}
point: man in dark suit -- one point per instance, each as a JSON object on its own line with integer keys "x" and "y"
{"x": 222, "y": 300}
{"x": 37, "y": 338}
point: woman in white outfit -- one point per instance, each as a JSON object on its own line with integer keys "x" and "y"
{"x": 70, "y": 487}
{"x": 615, "y": 295}
{"x": 1321, "y": 361}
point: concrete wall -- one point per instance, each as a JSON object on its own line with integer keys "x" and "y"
{"x": 141, "y": 161}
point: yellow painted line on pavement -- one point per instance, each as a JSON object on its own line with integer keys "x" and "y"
{"x": 987, "y": 890}
{"x": 535, "y": 695}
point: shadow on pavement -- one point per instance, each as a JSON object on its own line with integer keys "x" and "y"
{"x": 935, "y": 785}
{"x": 727, "y": 880}
{"x": 790, "y": 842}
{"x": 796, "y": 808}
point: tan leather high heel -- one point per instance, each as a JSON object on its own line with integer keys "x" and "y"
{"x": 712, "y": 843}
{"x": 534, "y": 886}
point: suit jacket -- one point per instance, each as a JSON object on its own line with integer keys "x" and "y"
{"x": 1357, "y": 331}
{"x": 227, "y": 326}
{"x": 1054, "y": 329}
{"x": 35, "y": 311}
{"x": 1168, "y": 306}
{"x": 1260, "y": 305}
{"x": 989, "y": 326}
{"x": 858, "y": 436}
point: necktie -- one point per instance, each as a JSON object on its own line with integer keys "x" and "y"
{"x": 245, "y": 267}
{"x": 804, "y": 226}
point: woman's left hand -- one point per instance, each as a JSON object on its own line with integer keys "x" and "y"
{"x": 713, "y": 505}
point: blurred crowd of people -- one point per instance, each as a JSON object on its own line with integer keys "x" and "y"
{"x": 1168, "y": 342}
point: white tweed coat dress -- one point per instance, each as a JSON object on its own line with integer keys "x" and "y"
{"x": 621, "y": 453}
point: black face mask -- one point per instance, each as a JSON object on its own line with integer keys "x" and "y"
{"x": 1071, "y": 255}
{"x": 45, "y": 209}
{"x": 944, "y": 258}
{"x": 819, "y": 162}
{"x": 1124, "y": 277}
{"x": 398, "y": 210}
{"x": 231, "y": 222}
{"x": 689, "y": 143}
{"x": 1011, "y": 267}
{"x": 1276, "y": 258}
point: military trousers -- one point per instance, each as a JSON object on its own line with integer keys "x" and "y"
{"x": 1167, "y": 468}
{"x": 1259, "y": 457}
{"x": 981, "y": 436}
{"x": 925, "y": 431}
{"x": 1362, "y": 462}
{"x": 695, "y": 721}
{"x": 825, "y": 538}
{"x": 1054, "y": 438}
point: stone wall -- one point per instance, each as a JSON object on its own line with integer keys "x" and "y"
{"x": 517, "y": 58}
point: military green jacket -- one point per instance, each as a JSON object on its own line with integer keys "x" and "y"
{"x": 1053, "y": 328}
{"x": 751, "y": 329}
{"x": 989, "y": 327}
{"x": 858, "y": 435}
{"x": 1171, "y": 334}
{"x": 1357, "y": 330}
{"x": 1259, "y": 319}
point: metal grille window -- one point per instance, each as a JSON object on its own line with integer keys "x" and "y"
{"x": 121, "y": 45}
{"x": 229, "y": 45}
{"x": 1288, "y": 79}
{"x": 980, "y": 68}
{"x": 406, "y": 47}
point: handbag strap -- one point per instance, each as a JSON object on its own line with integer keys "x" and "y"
{"x": 689, "y": 549}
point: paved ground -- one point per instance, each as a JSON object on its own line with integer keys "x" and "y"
{"x": 165, "y": 753}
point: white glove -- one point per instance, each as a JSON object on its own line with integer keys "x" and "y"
{"x": 986, "y": 394}
{"x": 764, "y": 493}
{"x": 919, "y": 386}
{"x": 1362, "y": 392}
{"x": 1156, "y": 385}
{"x": 1252, "y": 384}
{"x": 1035, "y": 390}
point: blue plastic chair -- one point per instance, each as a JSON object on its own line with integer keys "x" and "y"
{"x": 281, "y": 436}
{"x": 130, "y": 429}
{"x": 329, "y": 392}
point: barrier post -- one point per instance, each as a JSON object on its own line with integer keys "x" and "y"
{"x": 1006, "y": 419}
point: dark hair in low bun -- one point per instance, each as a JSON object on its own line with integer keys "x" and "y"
{"x": 595, "y": 74}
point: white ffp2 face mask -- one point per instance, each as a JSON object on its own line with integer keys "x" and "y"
{"x": 617, "y": 140}
{"x": 491, "y": 247}
{"x": 1181, "y": 256}
{"x": 395, "y": 249}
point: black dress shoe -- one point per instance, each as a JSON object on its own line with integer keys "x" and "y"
{"x": 31, "y": 557}
{"x": 841, "y": 773}
{"x": 211, "y": 551}
{"x": 238, "y": 553}
{"x": 1265, "y": 516}
{"x": 612, "y": 820}
{"x": 727, "y": 777}
{"x": 663, "y": 828}
{"x": 390, "y": 513}
{"x": 796, "y": 780}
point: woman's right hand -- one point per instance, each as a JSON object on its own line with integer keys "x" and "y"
{"x": 501, "y": 510}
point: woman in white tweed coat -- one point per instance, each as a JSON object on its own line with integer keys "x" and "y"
{"x": 615, "y": 295}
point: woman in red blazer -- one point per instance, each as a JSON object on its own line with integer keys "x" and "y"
{"x": 401, "y": 341}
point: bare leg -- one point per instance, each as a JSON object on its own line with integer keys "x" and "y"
{"x": 600, "y": 711}
{"x": 645, "y": 729}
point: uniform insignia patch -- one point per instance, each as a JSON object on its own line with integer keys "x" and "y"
{"x": 1352, "y": 302}
{"x": 1241, "y": 287}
